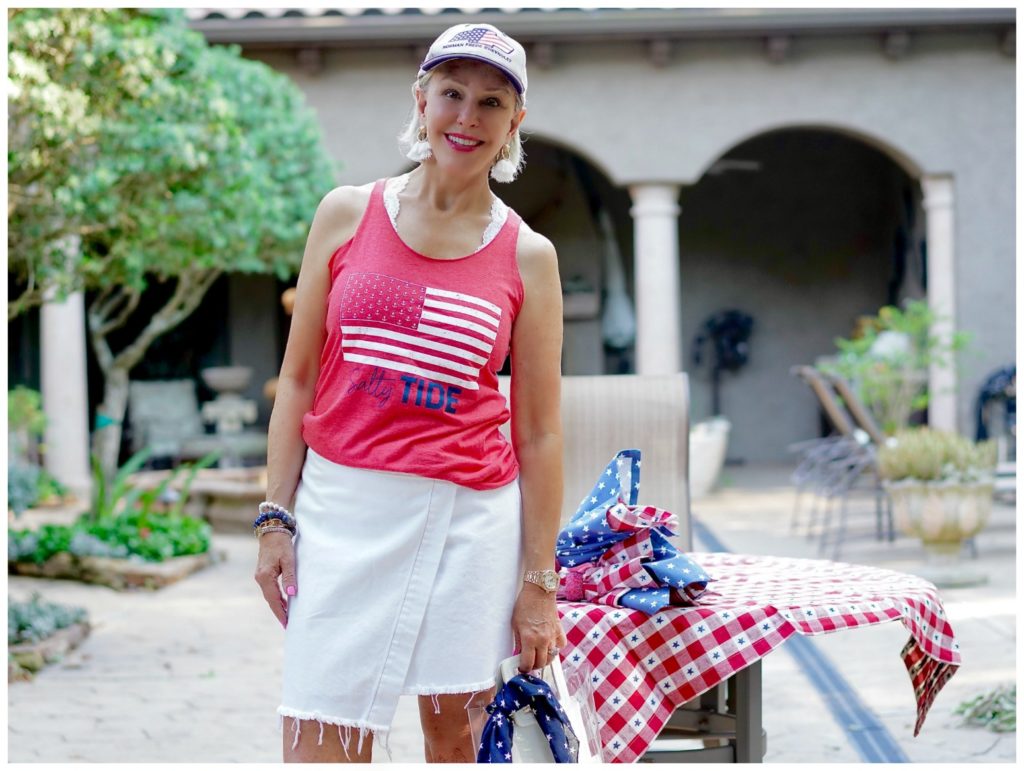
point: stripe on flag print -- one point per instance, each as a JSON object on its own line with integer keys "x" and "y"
{"x": 433, "y": 333}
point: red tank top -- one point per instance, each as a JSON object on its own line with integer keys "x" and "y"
{"x": 408, "y": 373}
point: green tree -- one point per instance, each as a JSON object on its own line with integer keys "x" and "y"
{"x": 140, "y": 156}
{"x": 890, "y": 374}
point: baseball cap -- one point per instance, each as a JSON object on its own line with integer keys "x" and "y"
{"x": 483, "y": 43}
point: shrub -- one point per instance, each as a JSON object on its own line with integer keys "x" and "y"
{"x": 47, "y": 486}
{"x": 928, "y": 454}
{"x": 22, "y": 486}
{"x": 29, "y": 485}
{"x": 36, "y": 620}
{"x": 150, "y": 536}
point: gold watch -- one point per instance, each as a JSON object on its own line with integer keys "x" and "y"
{"x": 545, "y": 579}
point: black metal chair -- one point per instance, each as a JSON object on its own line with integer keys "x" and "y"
{"x": 831, "y": 468}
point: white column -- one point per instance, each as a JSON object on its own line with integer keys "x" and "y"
{"x": 65, "y": 392}
{"x": 938, "y": 205}
{"x": 655, "y": 211}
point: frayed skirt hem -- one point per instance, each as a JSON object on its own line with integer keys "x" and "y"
{"x": 379, "y": 732}
{"x": 447, "y": 690}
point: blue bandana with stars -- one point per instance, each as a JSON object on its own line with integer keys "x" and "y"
{"x": 606, "y": 517}
{"x": 520, "y": 692}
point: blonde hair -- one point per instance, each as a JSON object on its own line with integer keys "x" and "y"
{"x": 410, "y": 134}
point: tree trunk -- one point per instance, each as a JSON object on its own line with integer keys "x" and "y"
{"x": 109, "y": 311}
{"x": 106, "y": 440}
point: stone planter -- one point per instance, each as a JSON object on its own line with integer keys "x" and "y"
{"x": 943, "y": 514}
{"x": 227, "y": 380}
{"x": 118, "y": 574}
{"x": 226, "y": 498}
{"x": 709, "y": 440}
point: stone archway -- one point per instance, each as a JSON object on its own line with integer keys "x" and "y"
{"x": 805, "y": 229}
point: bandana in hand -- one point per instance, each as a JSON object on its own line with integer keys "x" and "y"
{"x": 519, "y": 692}
{"x": 618, "y": 553}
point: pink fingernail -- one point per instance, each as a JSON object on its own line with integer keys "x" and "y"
{"x": 290, "y": 591}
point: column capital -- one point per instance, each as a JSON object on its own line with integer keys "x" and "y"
{"x": 938, "y": 191}
{"x": 655, "y": 199}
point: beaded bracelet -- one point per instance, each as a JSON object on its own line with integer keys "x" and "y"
{"x": 287, "y": 519}
{"x": 276, "y": 520}
{"x": 266, "y": 506}
{"x": 274, "y": 515}
{"x": 274, "y": 524}
{"x": 274, "y": 529}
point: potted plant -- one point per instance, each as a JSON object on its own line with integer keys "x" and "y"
{"x": 941, "y": 488}
{"x": 888, "y": 361}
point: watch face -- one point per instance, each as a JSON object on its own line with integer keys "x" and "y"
{"x": 550, "y": 581}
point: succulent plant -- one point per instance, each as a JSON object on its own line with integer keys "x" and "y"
{"x": 36, "y": 619}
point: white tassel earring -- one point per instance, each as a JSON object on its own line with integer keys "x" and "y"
{"x": 504, "y": 170}
{"x": 420, "y": 149}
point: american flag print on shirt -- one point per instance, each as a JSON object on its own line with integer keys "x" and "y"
{"x": 433, "y": 333}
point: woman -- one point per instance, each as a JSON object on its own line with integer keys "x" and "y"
{"x": 422, "y": 534}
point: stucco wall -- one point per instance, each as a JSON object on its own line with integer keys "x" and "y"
{"x": 946, "y": 108}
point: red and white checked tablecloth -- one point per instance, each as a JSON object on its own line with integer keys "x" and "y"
{"x": 642, "y": 667}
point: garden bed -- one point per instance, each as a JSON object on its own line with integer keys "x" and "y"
{"x": 117, "y": 573}
{"x": 129, "y": 538}
{"x": 24, "y": 660}
{"x": 40, "y": 633}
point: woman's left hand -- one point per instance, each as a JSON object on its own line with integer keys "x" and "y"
{"x": 536, "y": 627}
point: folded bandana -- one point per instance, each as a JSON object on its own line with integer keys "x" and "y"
{"x": 518, "y": 693}
{"x": 618, "y": 553}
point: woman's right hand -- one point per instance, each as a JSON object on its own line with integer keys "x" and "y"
{"x": 277, "y": 560}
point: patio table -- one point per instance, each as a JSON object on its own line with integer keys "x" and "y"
{"x": 641, "y": 667}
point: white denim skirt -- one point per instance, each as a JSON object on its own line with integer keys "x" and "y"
{"x": 405, "y": 586}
